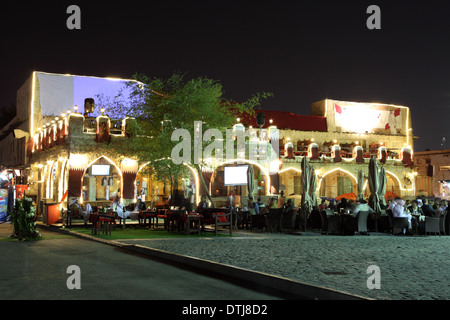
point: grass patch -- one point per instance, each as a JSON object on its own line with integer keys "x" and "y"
{"x": 140, "y": 233}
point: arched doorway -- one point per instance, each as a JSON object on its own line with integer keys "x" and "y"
{"x": 102, "y": 181}
{"x": 337, "y": 182}
{"x": 393, "y": 187}
{"x": 156, "y": 192}
{"x": 291, "y": 184}
{"x": 220, "y": 188}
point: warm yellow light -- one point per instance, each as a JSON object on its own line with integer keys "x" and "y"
{"x": 32, "y": 103}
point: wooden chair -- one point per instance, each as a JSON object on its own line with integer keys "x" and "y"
{"x": 71, "y": 215}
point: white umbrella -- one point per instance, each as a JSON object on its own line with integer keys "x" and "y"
{"x": 306, "y": 183}
{"x": 251, "y": 181}
{"x": 313, "y": 187}
{"x": 382, "y": 179}
{"x": 360, "y": 195}
{"x": 374, "y": 183}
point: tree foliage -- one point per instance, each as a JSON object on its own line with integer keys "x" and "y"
{"x": 162, "y": 106}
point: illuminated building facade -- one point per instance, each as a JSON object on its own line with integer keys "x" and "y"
{"x": 433, "y": 168}
{"x": 339, "y": 138}
{"x": 62, "y": 152}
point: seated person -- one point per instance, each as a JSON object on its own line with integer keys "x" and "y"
{"x": 288, "y": 207}
{"x": 332, "y": 205}
{"x": 398, "y": 210}
{"x": 140, "y": 206}
{"x": 342, "y": 206}
{"x": 253, "y": 205}
{"x": 202, "y": 205}
{"x": 122, "y": 212}
{"x": 361, "y": 206}
{"x": 427, "y": 210}
{"x": 323, "y": 205}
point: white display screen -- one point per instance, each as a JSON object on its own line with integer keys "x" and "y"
{"x": 235, "y": 176}
{"x": 100, "y": 170}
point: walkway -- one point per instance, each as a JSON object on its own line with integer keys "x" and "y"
{"x": 411, "y": 268}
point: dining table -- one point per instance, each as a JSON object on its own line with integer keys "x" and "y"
{"x": 100, "y": 219}
{"x": 151, "y": 215}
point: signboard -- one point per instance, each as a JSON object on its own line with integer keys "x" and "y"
{"x": 3, "y": 203}
{"x": 361, "y": 118}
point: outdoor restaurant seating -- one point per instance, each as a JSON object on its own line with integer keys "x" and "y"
{"x": 397, "y": 224}
{"x": 72, "y": 215}
{"x": 442, "y": 222}
{"x": 329, "y": 222}
{"x": 362, "y": 222}
{"x": 218, "y": 217}
{"x": 432, "y": 225}
{"x": 274, "y": 219}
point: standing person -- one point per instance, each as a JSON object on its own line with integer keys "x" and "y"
{"x": 231, "y": 200}
{"x": 87, "y": 213}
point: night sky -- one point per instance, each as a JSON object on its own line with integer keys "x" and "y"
{"x": 302, "y": 51}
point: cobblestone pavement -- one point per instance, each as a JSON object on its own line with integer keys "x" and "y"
{"x": 411, "y": 268}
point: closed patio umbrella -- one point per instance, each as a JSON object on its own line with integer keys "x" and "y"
{"x": 306, "y": 184}
{"x": 374, "y": 183}
{"x": 313, "y": 187}
{"x": 360, "y": 186}
{"x": 382, "y": 187}
{"x": 251, "y": 181}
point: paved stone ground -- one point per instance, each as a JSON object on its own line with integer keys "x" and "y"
{"x": 412, "y": 268}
